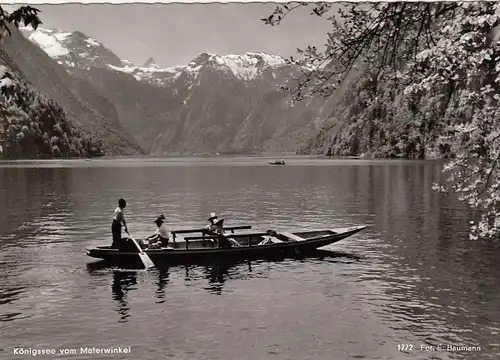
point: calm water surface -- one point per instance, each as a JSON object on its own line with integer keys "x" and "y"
{"x": 412, "y": 277}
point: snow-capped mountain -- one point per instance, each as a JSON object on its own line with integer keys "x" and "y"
{"x": 77, "y": 50}
{"x": 213, "y": 103}
{"x": 246, "y": 67}
{"x": 72, "y": 49}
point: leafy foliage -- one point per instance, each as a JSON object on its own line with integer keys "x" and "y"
{"x": 25, "y": 14}
{"x": 428, "y": 82}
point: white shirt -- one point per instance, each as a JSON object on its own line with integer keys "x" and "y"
{"x": 118, "y": 215}
{"x": 215, "y": 228}
{"x": 163, "y": 232}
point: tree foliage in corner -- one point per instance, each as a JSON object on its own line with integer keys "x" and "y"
{"x": 25, "y": 14}
{"x": 31, "y": 125}
{"x": 439, "y": 64}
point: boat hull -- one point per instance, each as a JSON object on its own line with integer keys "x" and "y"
{"x": 193, "y": 254}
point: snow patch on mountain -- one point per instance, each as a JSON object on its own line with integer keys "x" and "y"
{"x": 92, "y": 42}
{"x": 127, "y": 63}
{"x": 193, "y": 69}
{"x": 248, "y": 66}
{"x": 154, "y": 75}
{"x": 67, "y": 63}
{"x": 130, "y": 69}
{"x": 127, "y": 69}
{"x": 59, "y": 36}
{"x": 49, "y": 43}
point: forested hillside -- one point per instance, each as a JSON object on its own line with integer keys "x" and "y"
{"x": 376, "y": 118}
{"x": 33, "y": 126}
{"x": 429, "y": 85}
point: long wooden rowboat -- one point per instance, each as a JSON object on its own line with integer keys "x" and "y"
{"x": 245, "y": 246}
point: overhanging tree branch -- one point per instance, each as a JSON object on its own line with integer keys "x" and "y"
{"x": 360, "y": 37}
{"x": 26, "y": 14}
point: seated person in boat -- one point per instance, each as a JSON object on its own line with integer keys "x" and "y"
{"x": 211, "y": 222}
{"x": 162, "y": 235}
{"x": 216, "y": 229}
{"x": 118, "y": 222}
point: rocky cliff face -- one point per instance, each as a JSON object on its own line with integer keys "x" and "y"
{"x": 213, "y": 104}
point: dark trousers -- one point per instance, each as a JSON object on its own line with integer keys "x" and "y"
{"x": 224, "y": 242}
{"x": 116, "y": 231}
{"x": 163, "y": 241}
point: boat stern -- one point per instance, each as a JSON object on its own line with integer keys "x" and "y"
{"x": 100, "y": 252}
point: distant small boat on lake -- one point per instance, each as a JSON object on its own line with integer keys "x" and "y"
{"x": 277, "y": 162}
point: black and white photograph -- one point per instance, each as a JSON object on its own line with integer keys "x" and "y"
{"x": 250, "y": 180}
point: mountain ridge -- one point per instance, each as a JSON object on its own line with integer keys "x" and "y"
{"x": 214, "y": 103}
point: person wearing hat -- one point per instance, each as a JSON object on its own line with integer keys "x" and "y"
{"x": 216, "y": 227}
{"x": 118, "y": 222}
{"x": 211, "y": 227}
{"x": 162, "y": 234}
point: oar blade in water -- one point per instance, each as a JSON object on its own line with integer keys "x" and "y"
{"x": 146, "y": 260}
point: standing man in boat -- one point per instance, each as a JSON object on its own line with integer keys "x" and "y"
{"x": 118, "y": 222}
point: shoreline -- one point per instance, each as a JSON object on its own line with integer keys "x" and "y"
{"x": 222, "y": 158}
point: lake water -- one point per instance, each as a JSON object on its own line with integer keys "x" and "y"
{"x": 412, "y": 278}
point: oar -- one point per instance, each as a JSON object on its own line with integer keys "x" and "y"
{"x": 290, "y": 236}
{"x": 146, "y": 260}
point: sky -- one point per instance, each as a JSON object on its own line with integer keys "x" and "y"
{"x": 174, "y": 34}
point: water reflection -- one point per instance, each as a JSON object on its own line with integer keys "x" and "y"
{"x": 35, "y": 204}
{"x": 163, "y": 279}
{"x": 123, "y": 282}
{"x": 214, "y": 273}
{"x": 217, "y": 275}
{"x": 10, "y": 316}
{"x": 9, "y": 295}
